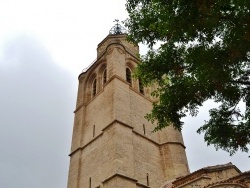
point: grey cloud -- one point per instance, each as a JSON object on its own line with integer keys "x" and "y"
{"x": 37, "y": 101}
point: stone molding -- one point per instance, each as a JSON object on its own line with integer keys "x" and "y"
{"x": 108, "y": 81}
{"x": 133, "y": 131}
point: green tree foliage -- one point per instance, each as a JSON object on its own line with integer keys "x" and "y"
{"x": 204, "y": 54}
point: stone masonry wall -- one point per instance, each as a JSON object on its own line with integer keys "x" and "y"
{"x": 113, "y": 144}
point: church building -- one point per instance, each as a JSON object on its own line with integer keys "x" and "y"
{"x": 113, "y": 145}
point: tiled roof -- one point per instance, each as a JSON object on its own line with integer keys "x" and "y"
{"x": 168, "y": 184}
{"x": 197, "y": 174}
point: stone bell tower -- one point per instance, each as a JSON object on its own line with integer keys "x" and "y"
{"x": 112, "y": 142}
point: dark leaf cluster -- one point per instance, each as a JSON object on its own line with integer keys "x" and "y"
{"x": 204, "y": 54}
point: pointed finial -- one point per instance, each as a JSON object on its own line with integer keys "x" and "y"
{"x": 117, "y": 29}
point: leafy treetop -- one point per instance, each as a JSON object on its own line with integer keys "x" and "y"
{"x": 204, "y": 54}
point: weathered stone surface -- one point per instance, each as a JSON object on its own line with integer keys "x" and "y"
{"x": 112, "y": 143}
{"x": 219, "y": 176}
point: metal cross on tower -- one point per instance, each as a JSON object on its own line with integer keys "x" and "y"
{"x": 117, "y": 29}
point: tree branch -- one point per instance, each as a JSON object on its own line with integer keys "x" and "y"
{"x": 241, "y": 82}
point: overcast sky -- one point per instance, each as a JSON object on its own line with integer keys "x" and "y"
{"x": 44, "y": 45}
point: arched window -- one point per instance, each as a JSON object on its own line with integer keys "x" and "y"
{"x": 90, "y": 182}
{"x": 147, "y": 179}
{"x": 128, "y": 76}
{"x": 94, "y": 131}
{"x": 94, "y": 87}
{"x": 141, "y": 88}
{"x": 104, "y": 76}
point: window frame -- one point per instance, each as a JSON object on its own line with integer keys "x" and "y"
{"x": 104, "y": 76}
{"x": 94, "y": 87}
{"x": 129, "y": 76}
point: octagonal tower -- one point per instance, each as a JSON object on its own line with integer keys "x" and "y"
{"x": 113, "y": 144}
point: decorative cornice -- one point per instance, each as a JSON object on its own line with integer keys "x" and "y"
{"x": 92, "y": 140}
{"x": 120, "y": 175}
{"x": 125, "y": 177}
{"x": 133, "y": 89}
{"x": 143, "y": 136}
{"x": 128, "y": 126}
{"x": 110, "y": 36}
{"x": 156, "y": 143}
{"x": 193, "y": 179}
{"x": 81, "y": 148}
{"x": 225, "y": 183}
{"x": 117, "y": 121}
{"x": 142, "y": 185}
{"x": 105, "y": 52}
{"x": 108, "y": 81}
{"x": 177, "y": 143}
{"x": 242, "y": 176}
{"x": 81, "y": 105}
